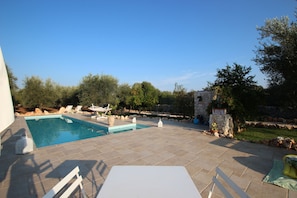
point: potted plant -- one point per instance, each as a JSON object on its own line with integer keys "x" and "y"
{"x": 214, "y": 127}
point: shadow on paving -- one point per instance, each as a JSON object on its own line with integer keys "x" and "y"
{"x": 23, "y": 176}
{"x": 85, "y": 170}
{"x": 25, "y": 169}
{"x": 91, "y": 171}
{"x": 261, "y": 156}
{"x": 19, "y": 170}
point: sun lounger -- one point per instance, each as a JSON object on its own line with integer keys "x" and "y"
{"x": 101, "y": 110}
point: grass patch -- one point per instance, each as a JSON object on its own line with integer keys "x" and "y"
{"x": 254, "y": 134}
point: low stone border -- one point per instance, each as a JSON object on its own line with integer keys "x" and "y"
{"x": 275, "y": 125}
{"x": 281, "y": 142}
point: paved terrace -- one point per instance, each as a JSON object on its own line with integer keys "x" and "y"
{"x": 177, "y": 143}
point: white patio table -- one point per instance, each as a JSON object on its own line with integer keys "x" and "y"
{"x": 148, "y": 181}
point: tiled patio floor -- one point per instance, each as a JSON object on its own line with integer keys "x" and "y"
{"x": 181, "y": 144}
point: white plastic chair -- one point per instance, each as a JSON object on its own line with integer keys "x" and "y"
{"x": 234, "y": 186}
{"x": 59, "y": 188}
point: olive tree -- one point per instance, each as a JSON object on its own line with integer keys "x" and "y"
{"x": 136, "y": 96}
{"x": 98, "y": 90}
{"x": 66, "y": 95}
{"x": 150, "y": 95}
{"x": 124, "y": 95}
{"x": 50, "y": 93}
{"x": 37, "y": 93}
{"x": 32, "y": 95}
{"x": 144, "y": 96}
{"x": 277, "y": 58}
{"x": 237, "y": 91}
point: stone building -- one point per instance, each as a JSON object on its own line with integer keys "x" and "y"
{"x": 201, "y": 102}
{"x": 223, "y": 120}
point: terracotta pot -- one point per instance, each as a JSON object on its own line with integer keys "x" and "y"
{"x": 215, "y": 131}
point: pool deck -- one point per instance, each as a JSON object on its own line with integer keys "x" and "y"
{"x": 175, "y": 144}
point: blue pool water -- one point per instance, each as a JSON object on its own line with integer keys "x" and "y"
{"x": 51, "y": 130}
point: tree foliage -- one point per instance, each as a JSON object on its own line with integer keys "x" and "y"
{"x": 37, "y": 93}
{"x": 237, "y": 91}
{"x": 277, "y": 57}
{"x": 184, "y": 101}
{"x": 144, "y": 96}
{"x": 124, "y": 95}
{"x": 33, "y": 92}
{"x": 66, "y": 95}
{"x": 166, "y": 101}
{"x": 136, "y": 96}
{"x": 150, "y": 95}
{"x": 50, "y": 94}
{"x": 98, "y": 90}
{"x": 12, "y": 79}
{"x": 12, "y": 84}
{"x": 166, "y": 97}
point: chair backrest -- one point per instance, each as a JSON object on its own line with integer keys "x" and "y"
{"x": 107, "y": 109}
{"x": 227, "y": 180}
{"x": 64, "y": 188}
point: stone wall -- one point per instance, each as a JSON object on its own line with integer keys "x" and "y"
{"x": 201, "y": 102}
{"x": 224, "y": 123}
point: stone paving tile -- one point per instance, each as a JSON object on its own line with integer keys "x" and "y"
{"x": 242, "y": 182}
{"x": 269, "y": 191}
{"x": 174, "y": 161}
{"x": 177, "y": 143}
{"x": 141, "y": 162}
{"x": 256, "y": 187}
{"x": 153, "y": 159}
{"x": 292, "y": 193}
{"x": 193, "y": 167}
{"x": 90, "y": 152}
{"x": 202, "y": 180}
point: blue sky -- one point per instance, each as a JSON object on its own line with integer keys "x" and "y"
{"x": 160, "y": 41}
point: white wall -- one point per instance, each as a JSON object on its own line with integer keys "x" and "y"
{"x": 6, "y": 106}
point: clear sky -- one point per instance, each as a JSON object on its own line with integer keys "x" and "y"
{"x": 160, "y": 41}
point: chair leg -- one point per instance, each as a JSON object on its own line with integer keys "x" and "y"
{"x": 83, "y": 193}
{"x": 212, "y": 188}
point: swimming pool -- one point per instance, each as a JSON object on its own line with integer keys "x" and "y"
{"x": 58, "y": 129}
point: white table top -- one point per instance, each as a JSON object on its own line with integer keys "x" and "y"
{"x": 148, "y": 181}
